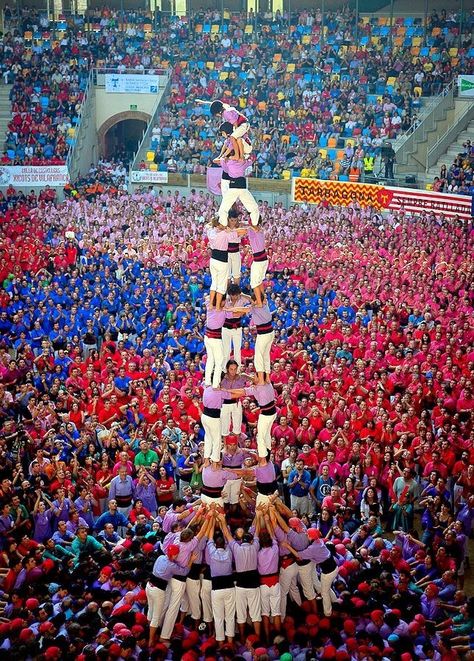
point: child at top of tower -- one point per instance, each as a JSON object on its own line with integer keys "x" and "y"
{"x": 239, "y": 123}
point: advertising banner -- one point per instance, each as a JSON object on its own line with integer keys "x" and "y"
{"x": 466, "y": 86}
{"x": 381, "y": 198}
{"x": 131, "y": 83}
{"x": 34, "y": 175}
{"x": 148, "y": 177}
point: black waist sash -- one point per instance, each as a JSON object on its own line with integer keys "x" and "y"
{"x": 212, "y": 413}
{"x": 195, "y": 571}
{"x": 267, "y": 488}
{"x": 233, "y": 322}
{"x": 248, "y": 579}
{"x": 264, "y": 329}
{"x": 234, "y": 248}
{"x": 260, "y": 256}
{"x": 213, "y": 333}
{"x": 211, "y": 492}
{"x": 238, "y": 182}
{"x": 268, "y": 409}
{"x": 328, "y": 565}
{"x": 222, "y": 582}
{"x": 158, "y": 582}
{"x": 219, "y": 255}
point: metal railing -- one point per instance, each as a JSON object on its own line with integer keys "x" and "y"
{"x": 434, "y": 109}
{"x": 80, "y": 126}
{"x": 443, "y": 143}
{"x": 146, "y": 138}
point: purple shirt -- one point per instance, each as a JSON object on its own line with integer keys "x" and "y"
{"x": 245, "y": 555}
{"x": 263, "y": 394}
{"x": 213, "y": 399}
{"x": 235, "y": 169}
{"x": 298, "y": 540}
{"x": 231, "y": 114}
{"x": 216, "y": 477}
{"x": 215, "y": 318}
{"x": 256, "y": 240}
{"x": 166, "y": 569}
{"x": 219, "y": 239}
{"x": 220, "y": 560}
{"x": 233, "y": 460}
{"x": 317, "y": 552}
{"x": 267, "y": 560}
{"x": 265, "y": 474}
{"x": 261, "y": 315}
{"x": 233, "y": 384}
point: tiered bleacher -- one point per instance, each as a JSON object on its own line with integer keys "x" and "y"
{"x": 319, "y": 99}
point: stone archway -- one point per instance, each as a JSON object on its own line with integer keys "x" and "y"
{"x": 115, "y": 119}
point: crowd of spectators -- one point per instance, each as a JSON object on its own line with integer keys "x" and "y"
{"x": 101, "y": 335}
{"x": 303, "y": 89}
{"x": 458, "y": 178}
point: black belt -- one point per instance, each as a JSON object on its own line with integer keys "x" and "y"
{"x": 233, "y": 323}
{"x": 268, "y": 409}
{"x": 158, "y": 582}
{"x": 264, "y": 329}
{"x": 225, "y": 176}
{"x": 212, "y": 413}
{"x": 219, "y": 255}
{"x": 229, "y": 401}
{"x": 222, "y": 582}
{"x": 328, "y": 565}
{"x": 195, "y": 571}
{"x": 211, "y": 492}
{"x": 248, "y": 579}
{"x": 260, "y": 256}
{"x": 267, "y": 488}
{"x": 213, "y": 333}
{"x": 234, "y": 247}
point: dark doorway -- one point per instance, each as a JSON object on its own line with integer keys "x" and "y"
{"x": 122, "y": 139}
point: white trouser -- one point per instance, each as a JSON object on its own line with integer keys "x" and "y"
{"x": 212, "y": 437}
{"x": 264, "y": 433}
{"x": 231, "y": 413}
{"x": 156, "y": 600}
{"x": 177, "y": 589}
{"x": 223, "y": 608}
{"x": 288, "y": 584}
{"x": 258, "y": 271}
{"x": 270, "y": 600}
{"x": 263, "y": 345}
{"x": 327, "y": 593}
{"x": 214, "y": 361}
{"x": 248, "y": 598}
{"x": 232, "y": 491}
{"x": 239, "y": 132}
{"x": 306, "y": 579}
{"x": 262, "y": 499}
{"x": 209, "y": 500}
{"x": 230, "y": 197}
{"x": 232, "y": 337}
{"x": 301, "y": 503}
{"x": 191, "y": 601}
{"x": 206, "y": 594}
{"x": 235, "y": 265}
{"x": 219, "y": 275}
